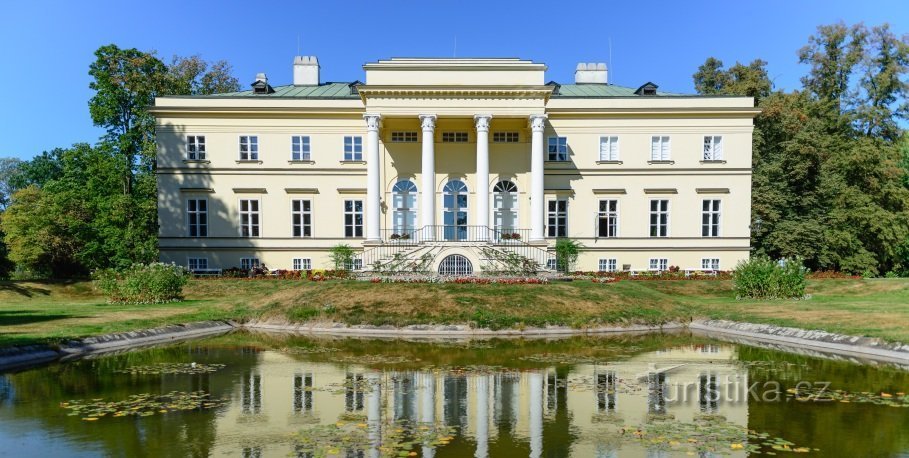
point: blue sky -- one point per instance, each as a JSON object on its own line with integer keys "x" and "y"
{"x": 46, "y": 47}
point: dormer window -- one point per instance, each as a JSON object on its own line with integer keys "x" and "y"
{"x": 261, "y": 86}
{"x": 647, "y": 89}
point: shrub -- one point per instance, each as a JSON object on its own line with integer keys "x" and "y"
{"x": 142, "y": 283}
{"x": 762, "y": 278}
{"x": 567, "y": 251}
{"x": 342, "y": 256}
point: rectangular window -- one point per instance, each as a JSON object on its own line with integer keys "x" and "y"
{"x": 195, "y": 147}
{"x": 454, "y": 137}
{"x": 197, "y": 217}
{"x": 558, "y": 218}
{"x": 196, "y": 264}
{"x": 606, "y": 388}
{"x": 249, "y": 148}
{"x": 353, "y": 218}
{"x": 609, "y": 148}
{"x": 558, "y": 149}
{"x": 301, "y": 217}
{"x": 404, "y": 137}
{"x": 710, "y": 264}
{"x": 713, "y": 148}
{"x": 710, "y": 218}
{"x": 551, "y": 263}
{"x": 302, "y": 264}
{"x": 505, "y": 137}
{"x": 249, "y": 263}
{"x": 303, "y": 392}
{"x": 355, "y": 264}
{"x": 299, "y": 148}
{"x": 353, "y": 148}
{"x": 249, "y": 217}
{"x": 659, "y": 148}
{"x": 608, "y": 218}
{"x": 608, "y": 265}
{"x": 659, "y": 218}
{"x": 659, "y": 264}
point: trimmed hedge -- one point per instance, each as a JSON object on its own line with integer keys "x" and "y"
{"x": 142, "y": 283}
{"x": 762, "y": 278}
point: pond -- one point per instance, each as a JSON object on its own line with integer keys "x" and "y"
{"x": 258, "y": 395}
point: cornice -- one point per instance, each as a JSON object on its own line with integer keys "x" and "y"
{"x": 367, "y": 91}
{"x": 699, "y": 112}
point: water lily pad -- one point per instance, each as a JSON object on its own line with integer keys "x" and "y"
{"x": 143, "y": 405}
{"x": 172, "y": 368}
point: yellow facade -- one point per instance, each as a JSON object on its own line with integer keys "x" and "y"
{"x": 455, "y": 94}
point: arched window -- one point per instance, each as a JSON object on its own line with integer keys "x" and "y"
{"x": 455, "y": 265}
{"x": 505, "y": 207}
{"x": 454, "y": 203}
{"x": 404, "y": 213}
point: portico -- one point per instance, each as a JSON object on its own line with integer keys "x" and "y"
{"x": 429, "y": 178}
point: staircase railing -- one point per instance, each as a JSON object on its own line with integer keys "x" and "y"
{"x": 502, "y": 249}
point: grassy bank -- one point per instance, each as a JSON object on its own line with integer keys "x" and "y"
{"x": 54, "y": 311}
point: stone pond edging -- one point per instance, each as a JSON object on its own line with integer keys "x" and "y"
{"x": 853, "y": 346}
{"x": 448, "y": 331}
{"x": 821, "y": 341}
{"x": 16, "y": 357}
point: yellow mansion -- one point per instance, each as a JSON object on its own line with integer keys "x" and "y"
{"x": 453, "y": 166}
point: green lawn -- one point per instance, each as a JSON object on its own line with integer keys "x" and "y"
{"x": 32, "y": 312}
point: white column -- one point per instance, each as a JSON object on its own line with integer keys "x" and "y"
{"x": 373, "y": 189}
{"x": 482, "y": 124}
{"x": 537, "y": 198}
{"x": 482, "y": 415}
{"x": 428, "y": 413}
{"x": 428, "y": 174}
{"x": 374, "y": 414}
{"x": 536, "y": 413}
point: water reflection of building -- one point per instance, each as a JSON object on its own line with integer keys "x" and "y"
{"x": 534, "y": 410}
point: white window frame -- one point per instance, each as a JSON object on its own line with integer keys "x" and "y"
{"x": 302, "y": 263}
{"x": 557, "y": 151}
{"x": 195, "y": 148}
{"x": 710, "y": 263}
{"x": 612, "y": 148}
{"x": 658, "y": 212}
{"x": 658, "y": 264}
{"x": 353, "y": 226}
{"x": 506, "y": 137}
{"x": 250, "y": 226}
{"x": 552, "y": 264}
{"x": 713, "y": 228}
{"x": 660, "y": 148}
{"x": 455, "y": 137}
{"x": 556, "y": 214}
{"x": 249, "y": 263}
{"x": 404, "y": 136}
{"x": 252, "y": 147}
{"x": 608, "y": 214}
{"x": 607, "y": 265}
{"x": 300, "y": 148}
{"x": 197, "y": 212}
{"x": 196, "y": 263}
{"x": 302, "y": 214}
{"x": 713, "y": 148}
{"x": 353, "y": 148}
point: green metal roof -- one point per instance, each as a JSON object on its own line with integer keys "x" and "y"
{"x": 322, "y": 91}
{"x": 599, "y": 90}
{"x": 345, "y": 91}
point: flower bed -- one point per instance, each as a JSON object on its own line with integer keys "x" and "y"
{"x": 463, "y": 280}
{"x": 664, "y": 275}
{"x": 830, "y": 274}
{"x": 261, "y": 273}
